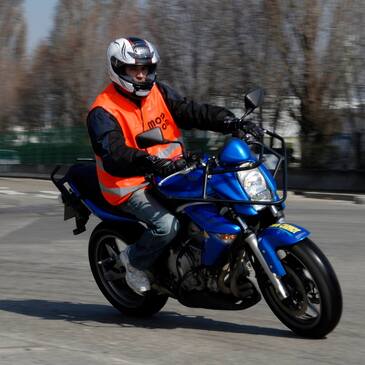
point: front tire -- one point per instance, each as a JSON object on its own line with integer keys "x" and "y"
{"x": 106, "y": 243}
{"x": 314, "y": 306}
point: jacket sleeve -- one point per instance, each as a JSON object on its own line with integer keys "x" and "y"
{"x": 189, "y": 114}
{"x": 108, "y": 142}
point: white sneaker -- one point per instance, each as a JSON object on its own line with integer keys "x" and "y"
{"x": 136, "y": 279}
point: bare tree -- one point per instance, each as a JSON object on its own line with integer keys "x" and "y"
{"x": 212, "y": 51}
{"x": 353, "y": 82}
{"x": 12, "y": 57}
{"x": 308, "y": 38}
{"x": 33, "y": 109}
{"x": 204, "y": 45}
{"x": 72, "y": 63}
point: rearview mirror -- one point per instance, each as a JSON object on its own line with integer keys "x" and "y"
{"x": 253, "y": 99}
{"x": 150, "y": 138}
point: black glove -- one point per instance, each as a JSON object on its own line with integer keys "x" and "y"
{"x": 253, "y": 129}
{"x": 164, "y": 166}
{"x": 232, "y": 124}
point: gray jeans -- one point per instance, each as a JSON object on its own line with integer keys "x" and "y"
{"x": 162, "y": 227}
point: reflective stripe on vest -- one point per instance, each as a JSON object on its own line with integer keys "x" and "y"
{"x": 134, "y": 120}
{"x": 121, "y": 192}
{"x": 117, "y": 191}
{"x": 172, "y": 149}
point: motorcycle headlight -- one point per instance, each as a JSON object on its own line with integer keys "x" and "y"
{"x": 255, "y": 185}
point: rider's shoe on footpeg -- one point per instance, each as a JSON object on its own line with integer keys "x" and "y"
{"x": 136, "y": 279}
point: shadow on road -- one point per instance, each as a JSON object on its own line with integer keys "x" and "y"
{"x": 96, "y": 315}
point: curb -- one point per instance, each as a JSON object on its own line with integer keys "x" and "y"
{"x": 357, "y": 199}
{"x": 20, "y": 175}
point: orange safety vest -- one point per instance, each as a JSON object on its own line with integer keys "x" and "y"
{"x": 134, "y": 120}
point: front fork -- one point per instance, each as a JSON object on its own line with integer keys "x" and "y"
{"x": 252, "y": 241}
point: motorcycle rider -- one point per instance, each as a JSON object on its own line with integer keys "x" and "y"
{"x": 132, "y": 103}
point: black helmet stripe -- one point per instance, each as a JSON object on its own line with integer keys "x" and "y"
{"x": 124, "y": 51}
{"x": 141, "y": 51}
{"x": 137, "y": 42}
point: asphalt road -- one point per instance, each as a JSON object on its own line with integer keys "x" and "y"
{"x": 51, "y": 311}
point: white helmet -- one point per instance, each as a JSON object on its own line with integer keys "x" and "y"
{"x": 132, "y": 51}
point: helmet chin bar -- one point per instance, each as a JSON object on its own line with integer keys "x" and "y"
{"x": 142, "y": 92}
{"x": 147, "y": 85}
{"x": 135, "y": 89}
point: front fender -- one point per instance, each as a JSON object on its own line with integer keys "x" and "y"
{"x": 277, "y": 236}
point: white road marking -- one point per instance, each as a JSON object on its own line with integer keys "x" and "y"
{"x": 50, "y": 192}
{"x": 7, "y": 227}
{"x": 11, "y": 192}
{"x": 46, "y": 196}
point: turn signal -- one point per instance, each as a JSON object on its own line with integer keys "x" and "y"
{"x": 227, "y": 238}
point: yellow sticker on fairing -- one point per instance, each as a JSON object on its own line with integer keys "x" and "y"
{"x": 286, "y": 227}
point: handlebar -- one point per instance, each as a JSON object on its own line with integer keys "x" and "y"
{"x": 181, "y": 172}
{"x": 210, "y": 168}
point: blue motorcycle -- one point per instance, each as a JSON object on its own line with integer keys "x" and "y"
{"x": 234, "y": 243}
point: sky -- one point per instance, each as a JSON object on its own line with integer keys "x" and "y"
{"x": 39, "y": 16}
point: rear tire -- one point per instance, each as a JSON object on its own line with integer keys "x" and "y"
{"x": 315, "y": 304}
{"x": 106, "y": 242}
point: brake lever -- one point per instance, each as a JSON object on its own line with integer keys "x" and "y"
{"x": 180, "y": 172}
{"x": 192, "y": 166}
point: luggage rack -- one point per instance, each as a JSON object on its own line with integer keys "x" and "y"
{"x": 73, "y": 205}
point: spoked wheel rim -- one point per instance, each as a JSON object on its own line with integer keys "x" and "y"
{"x": 112, "y": 273}
{"x": 304, "y": 304}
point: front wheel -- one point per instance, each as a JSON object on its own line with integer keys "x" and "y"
{"x": 314, "y": 305}
{"x": 106, "y": 243}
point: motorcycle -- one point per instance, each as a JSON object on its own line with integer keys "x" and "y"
{"x": 234, "y": 244}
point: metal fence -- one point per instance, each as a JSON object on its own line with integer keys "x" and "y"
{"x": 61, "y": 145}
{"x": 66, "y": 145}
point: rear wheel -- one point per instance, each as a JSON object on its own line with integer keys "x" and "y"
{"x": 105, "y": 245}
{"x": 314, "y": 306}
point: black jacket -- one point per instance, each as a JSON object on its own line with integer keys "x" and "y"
{"x": 120, "y": 160}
